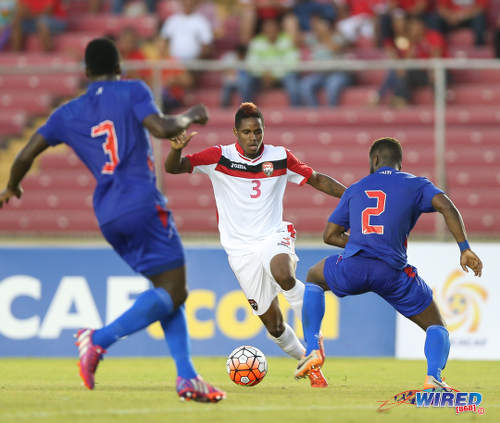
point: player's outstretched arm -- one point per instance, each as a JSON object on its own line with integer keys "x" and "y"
{"x": 455, "y": 223}
{"x": 174, "y": 163}
{"x": 21, "y": 166}
{"x": 335, "y": 235}
{"x": 326, "y": 184}
{"x": 161, "y": 126}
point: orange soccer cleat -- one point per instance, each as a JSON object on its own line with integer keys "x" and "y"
{"x": 312, "y": 361}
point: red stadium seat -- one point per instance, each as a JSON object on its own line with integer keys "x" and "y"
{"x": 145, "y": 25}
{"x": 55, "y": 84}
{"x": 12, "y": 121}
{"x": 38, "y": 221}
{"x": 60, "y": 179}
{"x": 30, "y": 101}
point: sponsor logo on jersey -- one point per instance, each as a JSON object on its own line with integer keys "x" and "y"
{"x": 238, "y": 166}
{"x": 253, "y": 304}
{"x": 267, "y": 168}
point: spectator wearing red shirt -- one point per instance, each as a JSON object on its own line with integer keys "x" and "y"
{"x": 46, "y": 17}
{"x": 416, "y": 42}
{"x": 463, "y": 13}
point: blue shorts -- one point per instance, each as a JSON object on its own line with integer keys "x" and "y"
{"x": 146, "y": 239}
{"x": 403, "y": 289}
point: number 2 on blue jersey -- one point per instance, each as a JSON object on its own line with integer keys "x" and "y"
{"x": 373, "y": 211}
{"x": 110, "y": 146}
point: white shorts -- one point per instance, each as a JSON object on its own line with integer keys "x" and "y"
{"x": 253, "y": 270}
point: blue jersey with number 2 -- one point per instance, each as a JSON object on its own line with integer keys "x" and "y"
{"x": 104, "y": 128}
{"x": 380, "y": 210}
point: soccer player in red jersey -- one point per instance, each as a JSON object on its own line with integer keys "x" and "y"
{"x": 249, "y": 180}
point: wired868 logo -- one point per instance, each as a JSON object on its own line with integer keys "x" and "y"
{"x": 460, "y": 401}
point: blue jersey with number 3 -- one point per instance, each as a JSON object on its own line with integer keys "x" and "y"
{"x": 104, "y": 128}
{"x": 380, "y": 210}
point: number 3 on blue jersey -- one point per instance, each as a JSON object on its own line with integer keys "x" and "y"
{"x": 110, "y": 145}
{"x": 373, "y": 211}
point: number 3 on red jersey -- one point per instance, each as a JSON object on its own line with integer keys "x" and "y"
{"x": 110, "y": 146}
{"x": 373, "y": 211}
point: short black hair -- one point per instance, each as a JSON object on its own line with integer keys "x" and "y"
{"x": 389, "y": 148}
{"x": 102, "y": 57}
{"x": 247, "y": 110}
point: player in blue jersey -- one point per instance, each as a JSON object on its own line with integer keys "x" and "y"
{"x": 380, "y": 210}
{"x": 107, "y": 127}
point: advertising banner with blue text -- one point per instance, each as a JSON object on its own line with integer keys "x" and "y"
{"x": 46, "y": 294}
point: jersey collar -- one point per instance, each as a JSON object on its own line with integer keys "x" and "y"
{"x": 241, "y": 153}
{"x": 381, "y": 169}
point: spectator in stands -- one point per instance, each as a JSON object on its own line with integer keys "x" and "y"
{"x": 7, "y": 8}
{"x": 45, "y": 17}
{"x": 356, "y": 19}
{"x": 117, "y": 6}
{"x": 417, "y": 42}
{"x": 254, "y": 12}
{"x": 305, "y": 9}
{"x": 463, "y": 13}
{"x": 276, "y": 49}
{"x": 188, "y": 33}
{"x": 231, "y": 76}
{"x": 411, "y": 8}
{"x": 128, "y": 44}
{"x": 323, "y": 44}
{"x": 175, "y": 80}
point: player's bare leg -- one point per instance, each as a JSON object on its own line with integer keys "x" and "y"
{"x": 281, "y": 333}
{"x": 283, "y": 271}
{"x": 437, "y": 345}
{"x": 174, "y": 282}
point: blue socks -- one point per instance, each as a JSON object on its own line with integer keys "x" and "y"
{"x": 152, "y": 305}
{"x": 437, "y": 348}
{"x": 176, "y": 333}
{"x": 313, "y": 310}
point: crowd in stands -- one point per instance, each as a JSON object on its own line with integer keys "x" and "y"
{"x": 281, "y": 33}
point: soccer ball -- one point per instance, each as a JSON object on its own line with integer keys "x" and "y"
{"x": 246, "y": 365}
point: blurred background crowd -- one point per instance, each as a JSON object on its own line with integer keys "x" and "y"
{"x": 256, "y": 32}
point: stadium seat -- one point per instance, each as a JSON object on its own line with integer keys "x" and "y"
{"x": 12, "y": 121}
{"x": 58, "y": 84}
{"x": 48, "y": 222}
{"x": 103, "y": 23}
{"x": 61, "y": 199}
{"x": 30, "y": 101}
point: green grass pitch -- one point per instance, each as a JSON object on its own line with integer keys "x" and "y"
{"x": 143, "y": 390}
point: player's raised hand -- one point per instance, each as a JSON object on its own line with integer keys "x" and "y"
{"x": 7, "y": 193}
{"x": 181, "y": 140}
{"x": 198, "y": 114}
{"x": 469, "y": 259}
